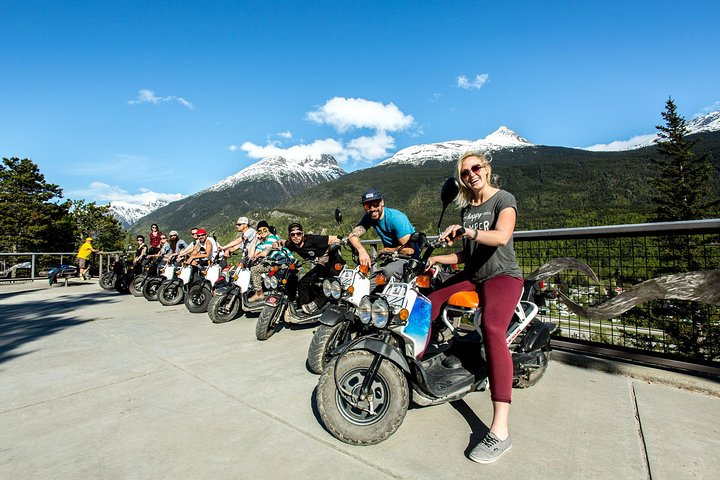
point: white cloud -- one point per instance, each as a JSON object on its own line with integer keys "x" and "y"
{"x": 476, "y": 84}
{"x": 371, "y": 148}
{"x": 329, "y": 146}
{"x": 618, "y": 145}
{"x": 102, "y": 192}
{"x": 344, "y": 114}
{"x": 148, "y": 96}
{"x": 233, "y": 148}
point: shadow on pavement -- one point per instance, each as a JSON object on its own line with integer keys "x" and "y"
{"x": 477, "y": 426}
{"x": 21, "y": 323}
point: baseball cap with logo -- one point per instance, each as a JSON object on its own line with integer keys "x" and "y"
{"x": 371, "y": 195}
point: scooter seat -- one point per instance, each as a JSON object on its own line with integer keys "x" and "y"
{"x": 464, "y": 299}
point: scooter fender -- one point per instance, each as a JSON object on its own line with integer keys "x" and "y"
{"x": 243, "y": 279}
{"x": 538, "y": 336}
{"x": 274, "y": 299}
{"x": 334, "y": 314}
{"x": 213, "y": 273}
{"x": 381, "y": 348}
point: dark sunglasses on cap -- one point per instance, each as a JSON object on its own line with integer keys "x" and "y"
{"x": 475, "y": 169}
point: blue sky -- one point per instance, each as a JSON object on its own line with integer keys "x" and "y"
{"x": 128, "y": 99}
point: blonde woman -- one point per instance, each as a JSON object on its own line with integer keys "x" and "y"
{"x": 488, "y": 217}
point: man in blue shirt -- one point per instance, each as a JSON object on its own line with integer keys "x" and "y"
{"x": 392, "y": 226}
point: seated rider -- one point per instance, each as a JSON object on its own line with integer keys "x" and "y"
{"x": 207, "y": 249}
{"x": 310, "y": 247}
{"x": 140, "y": 254}
{"x": 246, "y": 234}
{"x": 264, "y": 245}
{"x": 393, "y": 228}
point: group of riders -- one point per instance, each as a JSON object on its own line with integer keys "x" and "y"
{"x": 488, "y": 216}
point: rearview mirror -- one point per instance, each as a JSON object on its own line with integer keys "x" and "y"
{"x": 448, "y": 193}
{"x": 338, "y": 216}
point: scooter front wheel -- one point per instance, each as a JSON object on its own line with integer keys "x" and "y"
{"x": 223, "y": 308}
{"x": 136, "y": 285}
{"x": 325, "y": 340}
{"x": 170, "y": 293}
{"x": 108, "y": 280}
{"x": 268, "y": 319}
{"x": 198, "y": 298}
{"x": 346, "y": 414}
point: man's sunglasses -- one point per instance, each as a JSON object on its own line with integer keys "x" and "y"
{"x": 475, "y": 169}
{"x": 296, "y": 234}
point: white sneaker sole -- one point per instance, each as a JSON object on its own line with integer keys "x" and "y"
{"x": 485, "y": 461}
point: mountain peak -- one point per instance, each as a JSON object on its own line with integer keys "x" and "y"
{"x": 505, "y": 137}
{"x": 501, "y": 138}
{"x": 309, "y": 169}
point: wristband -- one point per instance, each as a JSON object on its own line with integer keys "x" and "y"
{"x": 474, "y": 237}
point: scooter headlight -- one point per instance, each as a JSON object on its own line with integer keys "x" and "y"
{"x": 380, "y": 313}
{"x": 270, "y": 282}
{"x": 332, "y": 289}
{"x": 364, "y": 310}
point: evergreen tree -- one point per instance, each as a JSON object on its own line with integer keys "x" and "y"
{"x": 683, "y": 185}
{"x": 31, "y": 217}
{"x": 89, "y": 219}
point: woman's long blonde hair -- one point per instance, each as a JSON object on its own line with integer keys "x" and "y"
{"x": 466, "y": 196}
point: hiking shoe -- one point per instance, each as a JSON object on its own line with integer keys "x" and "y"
{"x": 310, "y": 308}
{"x": 256, "y": 297}
{"x": 490, "y": 448}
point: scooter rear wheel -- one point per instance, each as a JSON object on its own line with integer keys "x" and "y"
{"x": 534, "y": 374}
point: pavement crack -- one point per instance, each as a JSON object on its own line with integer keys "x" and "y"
{"x": 641, "y": 435}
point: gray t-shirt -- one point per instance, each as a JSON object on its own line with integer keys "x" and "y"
{"x": 482, "y": 261}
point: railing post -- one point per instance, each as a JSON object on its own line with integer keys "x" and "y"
{"x": 32, "y": 268}
{"x": 100, "y": 272}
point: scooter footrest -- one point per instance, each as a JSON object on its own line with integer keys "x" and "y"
{"x": 443, "y": 379}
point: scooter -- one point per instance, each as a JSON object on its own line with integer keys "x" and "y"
{"x": 230, "y": 296}
{"x": 199, "y": 290}
{"x": 280, "y": 304}
{"x": 338, "y": 322}
{"x": 364, "y": 394}
{"x": 172, "y": 292}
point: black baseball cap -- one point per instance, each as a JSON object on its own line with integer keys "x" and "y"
{"x": 371, "y": 195}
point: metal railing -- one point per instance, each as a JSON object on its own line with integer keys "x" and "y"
{"x": 30, "y": 266}
{"x": 670, "y": 331}
{"x": 620, "y": 255}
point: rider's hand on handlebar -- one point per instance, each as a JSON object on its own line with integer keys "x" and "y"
{"x": 452, "y": 233}
{"x": 364, "y": 258}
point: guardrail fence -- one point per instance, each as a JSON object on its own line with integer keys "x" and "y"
{"x": 621, "y": 256}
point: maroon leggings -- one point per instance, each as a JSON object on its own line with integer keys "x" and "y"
{"x": 498, "y": 298}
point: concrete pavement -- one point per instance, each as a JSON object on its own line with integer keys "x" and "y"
{"x": 94, "y": 384}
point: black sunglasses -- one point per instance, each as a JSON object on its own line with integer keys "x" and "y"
{"x": 474, "y": 169}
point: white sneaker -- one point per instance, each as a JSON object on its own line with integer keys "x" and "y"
{"x": 310, "y": 308}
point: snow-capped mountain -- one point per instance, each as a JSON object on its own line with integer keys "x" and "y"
{"x": 709, "y": 122}
{"x": 305, "y": 173}
{"x": 502, "y": 138}
{"x": 705, "y": 123}
{"x": 129, "y": 213}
